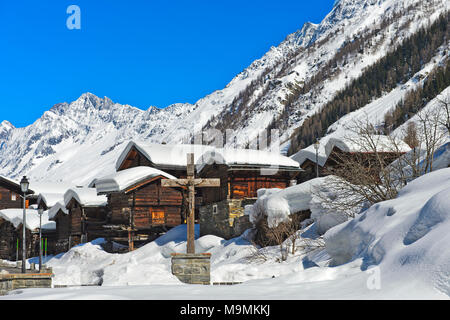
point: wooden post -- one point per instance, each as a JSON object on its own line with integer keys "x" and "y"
{"x": 131, "y": 227}
{"x": 83, "y": 226}
{"x": 130, "y": 240}
{"x": 191, "y": 217}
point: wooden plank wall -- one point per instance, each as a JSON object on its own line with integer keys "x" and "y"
{"x": 211, "y": 195}
{"x": 95, "y": 219}
{"x": 135, "y": 159}
{"x": 147, "y": 202}
{"x": 239, "y": 184}
{"x": 7, "y": 236}
{"x": 247, "y": 187}
{"x": 62, "y": 226}
{"x": 75, "y": 218}
{"x": 6, "y": 201}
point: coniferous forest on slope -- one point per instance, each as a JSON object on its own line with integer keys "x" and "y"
{"x": 397, "y": 67}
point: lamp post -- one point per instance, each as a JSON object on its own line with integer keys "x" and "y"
{"x": 24, "y": 184}
{"x": 316, "y": 146}
{"x": 40, "y": 211}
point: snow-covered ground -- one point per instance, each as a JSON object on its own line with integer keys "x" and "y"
{"x": 397, "y": 249}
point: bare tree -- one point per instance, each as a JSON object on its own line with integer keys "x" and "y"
{"x": 432, "y": 129}
{"x": 381, "y": 168}
{"x": 277, "y": 235}
{"x": 411, "y": 135}
{"x": 444, "y": 106}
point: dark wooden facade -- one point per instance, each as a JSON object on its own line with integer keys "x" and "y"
{"x": 62, "y": 231}
{"x": 141, "y": 212}
{"x": 11, "y": 241}
{"x": 80, "y": 225}
{"x": 10, "y": 195}
{"x": 7, "y": 240}
{"x": 242, "y": 182}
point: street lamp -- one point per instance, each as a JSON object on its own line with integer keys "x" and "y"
{"x": 40, "y": 211}
{"x": 24, "y": 185}
{"x": 316, "y": 146}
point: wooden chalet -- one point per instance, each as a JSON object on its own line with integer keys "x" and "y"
{"x": 10, "y": 195}
{"x": 80, "y": 219}
{"x": 139, "y": 208}
{"x": 60, "y": 215}
{"x": 11, "y": 233}
{"x": 242, "y": 173}
{"x": 168, "y": 158}
{"x": 50, "y": 193}
{"x": 335, "y": 150}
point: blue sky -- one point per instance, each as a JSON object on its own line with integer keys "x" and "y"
{"x": 135, "y": 52}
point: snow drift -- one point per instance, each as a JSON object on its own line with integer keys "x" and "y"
{"x": 405, "y": 237}
{"x": 277, "y": 205}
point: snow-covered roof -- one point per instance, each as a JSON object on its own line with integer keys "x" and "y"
{"x": 350, "y": 144}
{"x": 50, "y": 199}
{"x": 10, "y": 180}
{"x": 15, "y": 216}
{"x": 164, "y": 155}
{"x": 122, "y": 180}
{"x": 86, "y": 197}
{"x": 51, "y": 192}
{"x": 50, "y": 187}
{"x": 230, "y": 157}
{"x": 175, "y": 156}
{"x": 13, "y": 184}
{"x": 59, "y": 206}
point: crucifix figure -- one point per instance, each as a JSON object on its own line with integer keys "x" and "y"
{"x": 191, "y": 183}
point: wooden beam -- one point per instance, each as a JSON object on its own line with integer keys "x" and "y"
{"x": 174, "y": 183}
{"x": 190, "y": 165}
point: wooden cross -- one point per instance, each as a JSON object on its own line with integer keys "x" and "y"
{"x": 191, "y": 183}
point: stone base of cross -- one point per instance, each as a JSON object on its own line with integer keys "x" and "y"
{"x": 190, "y": 183}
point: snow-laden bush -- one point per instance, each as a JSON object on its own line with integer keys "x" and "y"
{"x": 407, "y": 233}
{"x": 278, "y": 205}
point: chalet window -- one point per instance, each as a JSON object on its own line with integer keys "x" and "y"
{"x": 158, "y": 217}
{"x": 13, "y": 196}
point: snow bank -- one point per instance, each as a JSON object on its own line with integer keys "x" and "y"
{"x": 277, "y": 205}
{"x": 405, "y": 235}
{"x": 89, "y": 264}
{"x": 121, "y": 180}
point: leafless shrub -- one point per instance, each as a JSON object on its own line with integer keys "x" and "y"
{"x": 381, "y": 168}
{"x": 285, "y": 235}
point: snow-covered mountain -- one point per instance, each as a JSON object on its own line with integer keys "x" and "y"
{"x": 80, "y": 140}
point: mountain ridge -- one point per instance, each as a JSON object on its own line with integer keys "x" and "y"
{"x": 254, "y": 100}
